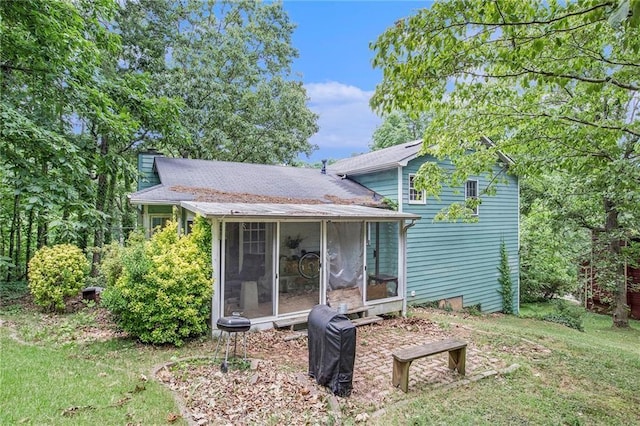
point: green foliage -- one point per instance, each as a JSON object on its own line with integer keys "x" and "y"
{"x": 566, "y": 314}
{"x": 230, "y": 63}
{"x": 57, "y": 273}
{"x": 111, "y": 265}
{"x": 391, "y": 203}
{"x": 397, "y": 128}
{"x": 163, "y": 294}
{"x": 554, "y": 85}
{"x": 550, "y": 245}
{"x": 473, "y": 310}
{"x": 506, "y": 286}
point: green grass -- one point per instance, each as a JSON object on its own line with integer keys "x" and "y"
{"x": 41, "y": 385}
{"x": 588, "y": 378}
{"x": 49, "y": 375}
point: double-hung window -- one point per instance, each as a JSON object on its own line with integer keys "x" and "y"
{"x": 415, "y": 196}
{"x": 254, "y": 236}
{"x": 471, "y": 195}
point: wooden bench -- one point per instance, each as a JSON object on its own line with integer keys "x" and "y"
{"x": 402, "y": 358}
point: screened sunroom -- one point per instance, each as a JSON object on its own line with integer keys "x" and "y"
{"x": 274, "y": 261}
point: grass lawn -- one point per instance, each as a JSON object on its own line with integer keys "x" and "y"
{"x": 48, "y": 375}
{"x": 51, "y": 374}
{"x": 589, "y": 378}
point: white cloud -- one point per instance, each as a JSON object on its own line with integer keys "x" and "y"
{"x": 346, "y": 122}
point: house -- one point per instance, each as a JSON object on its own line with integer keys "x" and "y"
{"x": 453, "y": 264}
{"x": 284, "y": 238}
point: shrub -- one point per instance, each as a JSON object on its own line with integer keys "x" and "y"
{"x": 163, "y": 294}
{"x": 506, "y": 286}
{"x": 57, "y": 273}
{"x": 567, "y": 315}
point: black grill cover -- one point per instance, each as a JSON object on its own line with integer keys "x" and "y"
{"x": 332, "y": 349}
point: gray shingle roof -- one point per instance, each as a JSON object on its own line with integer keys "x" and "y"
{"x": 383, "y": 159}
{"x": 219, "y": 181}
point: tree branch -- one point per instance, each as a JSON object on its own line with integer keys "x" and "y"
{"x": 527, "y": 23}
{"x": 611, "y": 80}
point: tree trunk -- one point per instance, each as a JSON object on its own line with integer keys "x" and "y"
{"x": 43, "y": 226}
{"x": 29, "y": 232}
{"x": 128, "y": 221}
{"x": 15, "y": 223}
{"x": 41, "y": 232}
{"x": 621, "y": 309}
{"x": 109, "y": 206}
{"x": 101, "y": 196}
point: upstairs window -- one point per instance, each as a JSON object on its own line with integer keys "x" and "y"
{"x": 471, "y": 195}
{"x": 415, "y": 196}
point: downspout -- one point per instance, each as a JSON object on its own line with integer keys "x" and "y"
{"x": 403, "y": 236}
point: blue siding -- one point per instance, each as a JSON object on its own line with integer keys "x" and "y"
{"x": 147, "y": 177}
{"x": 446, "y": 260}
{"x": 384, "y": 183}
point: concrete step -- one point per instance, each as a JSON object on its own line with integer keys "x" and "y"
{"x": 290, "y": 322}
{"x": 366, "y": 320}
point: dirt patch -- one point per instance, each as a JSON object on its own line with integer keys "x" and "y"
{"x": 278, "y": 389}
{"x": 80, "y": 322}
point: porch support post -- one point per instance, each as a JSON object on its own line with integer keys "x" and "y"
{"x": 146, "y": 223}
{"x": 324, "y": 263}
{"x": 217, "y": 274}
{"x": 402, "y": 267}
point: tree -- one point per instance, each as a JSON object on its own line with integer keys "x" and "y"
{"x": 50, "y": 51}
{"x": 71, "y": 116}
{"x": 230, "y": 65}
{"x": 550, "y": 245}
{"x": 398, "y": 128}
{"x": 555, "y": 85}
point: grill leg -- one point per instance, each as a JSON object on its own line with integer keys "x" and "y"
{"x": 244, "y": 344}
{"x": 226, "y": 354}
{"x": 218, "y": 345}
{"x": 235, "y": 343}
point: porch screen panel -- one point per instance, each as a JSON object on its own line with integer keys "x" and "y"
{"x": 248, "y": 279}
{"x": 345, "y": 250}
{"x": 299, "y": 274}
{"x": 382, "y": 260}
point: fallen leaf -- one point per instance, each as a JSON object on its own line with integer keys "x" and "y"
{"x": 172, "y": 417}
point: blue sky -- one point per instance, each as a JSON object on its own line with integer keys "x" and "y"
{"x": 333, "y": 38}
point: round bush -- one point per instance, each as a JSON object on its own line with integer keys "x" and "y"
{"x": 164, "y": 292}
{"x": 57, "y": 273}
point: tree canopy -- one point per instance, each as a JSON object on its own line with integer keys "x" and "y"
{"x": 88, "y": 84}
{"x": 231, "y": 65}
{"x": 397, "y": 128}
{"x": 553, "y": 84}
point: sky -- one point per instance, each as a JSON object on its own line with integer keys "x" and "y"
{"x": 332, "y": 38}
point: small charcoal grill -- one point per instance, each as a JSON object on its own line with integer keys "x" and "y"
{"x": 234, "y": 324}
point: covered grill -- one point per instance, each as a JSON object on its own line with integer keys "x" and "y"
{"x": 234, "y": 324}
{"x": 332, "y": 349}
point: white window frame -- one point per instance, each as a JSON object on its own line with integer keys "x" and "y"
{"x": 467, "y": 196}
{"x": 413, "y": 192}
{"x": 152, "y": 216}
{"x": 254, "y": 237}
